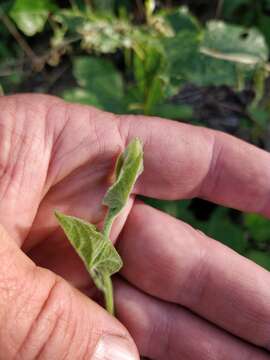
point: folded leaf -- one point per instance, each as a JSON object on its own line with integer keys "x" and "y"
{"x": 128, "y": 167}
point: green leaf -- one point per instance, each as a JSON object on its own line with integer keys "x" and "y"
{"x": 171, "y": 111}
{"x": 234, "y": 43}
{"x": 186, "y": 64}
{"x": 81, "y": 96}
{"x": 128, "y": 168}
{"x": 31, "y": 15}
{"x": 259, "y": 257}
{"x": 101, "y": 79}
{"x": 260, "y": 116}
{"x": 69, "y": 19}
{"x": 258, "y": 227}
{"x": 181, "y": 19}
{"x": 264, "y": 26}
{"x": 97, "y": 252}
{"x": 221, "y": 228}
{"x": 176, "y": 208}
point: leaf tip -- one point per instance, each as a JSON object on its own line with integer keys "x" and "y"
{"x": 59, "y": 216}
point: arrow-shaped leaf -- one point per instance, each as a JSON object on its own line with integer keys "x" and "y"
{"x": 97, "y": 252}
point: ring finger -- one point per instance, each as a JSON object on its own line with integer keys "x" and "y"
{"x": 164, "y": 331}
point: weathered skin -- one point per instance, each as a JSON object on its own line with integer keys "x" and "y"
{"x": 55, "y": 155}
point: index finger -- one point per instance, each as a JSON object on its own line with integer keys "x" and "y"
{"x": 184, "y": 161}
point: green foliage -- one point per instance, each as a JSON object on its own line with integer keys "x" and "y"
{"x": 221, "y": 227}
{"x": 249, "y": 234}
{"x": 94, "y": 247}
{"x": 249, "y": 13}
{"x": 182, "y": 19}
{"x": 191, "y": 66}
{"x": 31, "y": 15}
{"x": 175, "y": 50}
{"x": 100, "y": 84}
{"x": 234, "y": 43}
{"x": 259, "y": 229}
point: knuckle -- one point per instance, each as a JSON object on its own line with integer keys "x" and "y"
{"x": 194, "y": 286}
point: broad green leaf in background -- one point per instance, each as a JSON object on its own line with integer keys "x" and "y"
{"x": 81, "y": 96}
{"x": 221, "y": 228}
{"x": 68, "y": 19}
{"x": 97, "y": 252}
{"x": 181, "y": 19}
{"x": 234, "y": 43}
{"x": 31, "y": 15}
{"x": 187, "y": 65}
{"x": 101, "y": 80}
{"x": 171, "y": 111}
{"x": 128, "y": 168}
{"x": 178, "y": 208}
{"x": 249, "y": 13}
{"x": 258, "y": 228}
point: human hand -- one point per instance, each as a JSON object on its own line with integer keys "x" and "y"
{"x": 200, "y": 301}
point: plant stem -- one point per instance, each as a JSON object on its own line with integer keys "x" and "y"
{"x": 259, "y": 82}
{"x": 219, "y": 8}
{"x": 20, "y": 40}
{"x": 108, "y": 294}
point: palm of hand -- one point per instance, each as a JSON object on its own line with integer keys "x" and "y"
{"x": 62, "y": 159}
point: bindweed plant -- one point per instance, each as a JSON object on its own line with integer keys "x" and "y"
{"x": 93, "y": 246}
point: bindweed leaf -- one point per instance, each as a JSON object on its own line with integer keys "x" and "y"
{"x": 128, "y": 167}
{"x": 234, "y": 43}
{"x": 97, "y": 252}
{"x": 94, "y": 247}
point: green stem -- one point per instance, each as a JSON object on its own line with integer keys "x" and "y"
{"x": 240, "y": 78}
{"x": 108, "y": 294}
{"x": 108, "y": 287}
{"x": 259, "y": 84}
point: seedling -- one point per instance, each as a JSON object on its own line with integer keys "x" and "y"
{"x": 95, "y": 247}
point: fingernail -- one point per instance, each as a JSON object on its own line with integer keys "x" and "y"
{"x": 114, "y": 348}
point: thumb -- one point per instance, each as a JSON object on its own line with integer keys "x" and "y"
{"x": 43, "y": 317}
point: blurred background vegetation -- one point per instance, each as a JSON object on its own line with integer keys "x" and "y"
{"x": 202, "y": 62}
